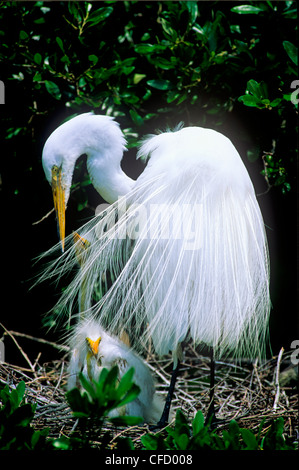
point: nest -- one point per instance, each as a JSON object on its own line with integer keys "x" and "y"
{"x": 246, "y": 392}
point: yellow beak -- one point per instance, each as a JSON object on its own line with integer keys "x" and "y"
{"x": 94, "y": 345}
{"x": 81, "y": 245}
{"x": 59, "y": 202}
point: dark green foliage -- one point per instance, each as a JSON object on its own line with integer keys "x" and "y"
{"x": 153, "y": 64}
{"x": 93, "y": 406}
{"x": 16, "y": 432}
{"x": 104, "y": 395}
{"x": 199, "y": 436}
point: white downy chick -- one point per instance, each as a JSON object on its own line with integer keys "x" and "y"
{"x": 93, "y": 349}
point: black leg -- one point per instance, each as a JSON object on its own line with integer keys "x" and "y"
{"x": 211, "y": 414}
{"x": 165, "y": 414}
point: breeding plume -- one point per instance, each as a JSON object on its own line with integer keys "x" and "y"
{"x": 180, "y": 253}
{"x": 93, "y": 349}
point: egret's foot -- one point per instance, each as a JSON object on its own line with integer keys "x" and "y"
{"x": 157, "y": 427}
{"x": 165, "y": 414}
{"x": 211, "y": 420}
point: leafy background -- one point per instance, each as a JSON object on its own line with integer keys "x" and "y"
{"x": 224, "y": 65}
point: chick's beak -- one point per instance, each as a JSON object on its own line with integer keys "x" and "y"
{"x": 94, "y": 345}
{"x": 59, "y": 202}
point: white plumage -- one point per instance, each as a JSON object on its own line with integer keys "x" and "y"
{"x": 93, "y": 349}
{"x": 184, "y": 244}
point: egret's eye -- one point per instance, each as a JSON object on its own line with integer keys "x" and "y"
{"x": 56, "y": 173}
{"x": 55, "y": 170}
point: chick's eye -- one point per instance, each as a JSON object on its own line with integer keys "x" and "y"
{"x": 99, "y": 361}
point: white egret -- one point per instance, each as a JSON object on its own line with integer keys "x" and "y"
{"x": 184, "y": 244}
{"x": 93, "y": 349}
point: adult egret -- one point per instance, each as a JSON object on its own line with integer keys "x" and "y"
{"x": 93, "y": 349}
{"x": 184, "y": 244}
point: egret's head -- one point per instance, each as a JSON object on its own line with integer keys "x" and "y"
{"x": 59, "y": 158}
{"x": 99, "y": 137}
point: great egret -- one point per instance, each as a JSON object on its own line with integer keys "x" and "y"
{"x": 184, "y": 244}
{"x": 93, "y": 349}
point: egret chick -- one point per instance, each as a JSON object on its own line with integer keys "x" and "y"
{"x": 93, "y": 349}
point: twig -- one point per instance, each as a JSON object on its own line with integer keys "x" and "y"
{"x": 20, "y": 349}
{"x": 59, "y": 380}
{"x": 257, "y": 375}
{"x": 44, "y": 217}
{"x": 277, "y": 387}
{"x": 41, "y": 340}
{"x": 37, "y": 359}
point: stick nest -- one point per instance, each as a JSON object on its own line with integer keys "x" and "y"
{"x": 247, "y": 392}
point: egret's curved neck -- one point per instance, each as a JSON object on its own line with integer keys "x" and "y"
{"x": 107, "y": 176}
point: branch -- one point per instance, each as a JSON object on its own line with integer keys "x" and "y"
{"x": 43, "y": 218}
{"x": 277, "y": 387}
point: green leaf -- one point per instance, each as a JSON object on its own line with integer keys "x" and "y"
{"x": 291, "y": 50}
{"x": 60, "y": 43}
{"x": 136, "y": 117}
{"x": 234, "y": 432}
{"x": 193, "y": 11}
{"x": 78, "y": 403}
{"x": 53, "y": 89}
{"x": 163, "y": 63}
{"x": 168, "y": 30}
{"x": 23, "y": 35}
{"x": 37, "y": 58}
{"x": 146, "y": 48}
{"x": 37, "y": 77}
{"x": 62, "y": 443}
{"x": 183, "y": 441}
{"x": 198, "y": 422}
{"x": 130, "y": 396}
{"x": 126, "y": 420}
{"x": 160, "y": 84}
{"x": 246, "y": 10}
{"x": 249, "y": 100}
{"x": 259, "y": 90}
{"x": 138, "y": 77}
{"x": 110, "y": 380}
{"x": 23, "y": 415}
{"x": 275, "y": 102}
{"x": 150, "y": 441}
{"x": 249, "y": 439}
{"x": 93, "y": 58}
{"x": 274, "y": 438}
{"x": 126, "y": 381}
{"x": 99, "y": 15}
{"x": 20, "y": 391}
{"x": 87, "y": 385}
